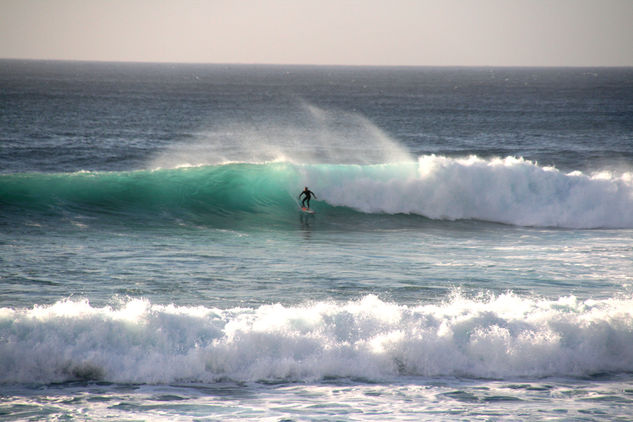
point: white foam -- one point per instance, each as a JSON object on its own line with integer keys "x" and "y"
{"x": 506, "y": 190}
{"x": 491, "y": 336}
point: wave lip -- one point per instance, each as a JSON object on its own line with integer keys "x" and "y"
{"x": 496, "y": 337}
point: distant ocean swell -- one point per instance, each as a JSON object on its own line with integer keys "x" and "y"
{"x": 488, "y": 337}
{"x": 510, "y": 191}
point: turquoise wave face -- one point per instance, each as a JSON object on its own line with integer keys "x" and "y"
{"x": 201, "y": 193}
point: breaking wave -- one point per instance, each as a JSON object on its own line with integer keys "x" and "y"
{"x": 509, "y": 190}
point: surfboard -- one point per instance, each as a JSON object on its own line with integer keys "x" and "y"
{"x": 307, "y": 210}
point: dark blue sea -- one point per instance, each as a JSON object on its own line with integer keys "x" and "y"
{"x": 470, "y": 256}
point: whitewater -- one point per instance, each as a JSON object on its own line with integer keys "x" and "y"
{"x": 488, "y": 337}
{"x": 471, "y": 254}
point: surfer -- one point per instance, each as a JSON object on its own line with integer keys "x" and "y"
{"x": 308, "y": 194}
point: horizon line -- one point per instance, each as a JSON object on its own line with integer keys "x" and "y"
{"x": 104, "y": 61}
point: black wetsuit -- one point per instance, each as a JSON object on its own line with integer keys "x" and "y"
{"x": 308, "y": 194}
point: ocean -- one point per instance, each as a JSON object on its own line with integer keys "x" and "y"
{"x": 470, "y": 256}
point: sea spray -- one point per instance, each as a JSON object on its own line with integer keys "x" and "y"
{"x": 500, "y": 337}
{"x": 310, "y": 135}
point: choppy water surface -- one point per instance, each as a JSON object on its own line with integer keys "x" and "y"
{"x": 470, "y": 256}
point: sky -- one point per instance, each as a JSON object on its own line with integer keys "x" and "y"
{"x": 323, "y": 32}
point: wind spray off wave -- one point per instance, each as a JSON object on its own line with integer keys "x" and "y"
{"x": 309, "y": 135}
